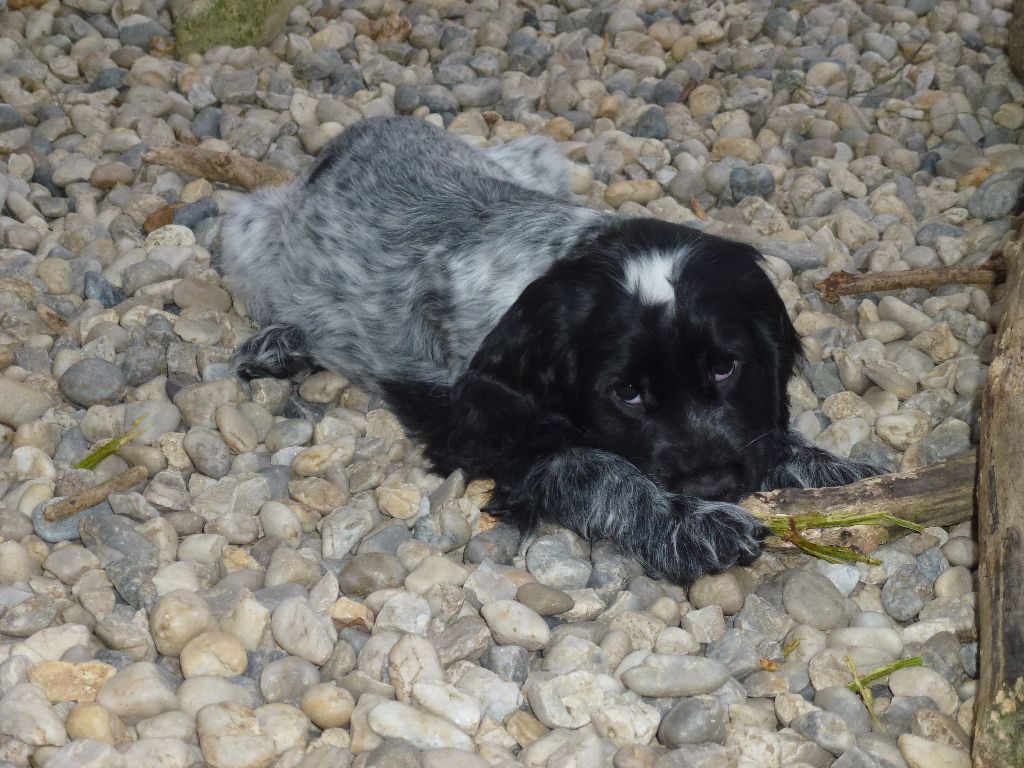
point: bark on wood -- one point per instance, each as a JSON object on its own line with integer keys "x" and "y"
{"x": 846, "y": 284}
{"x": 938, "y": 494}
{"x": 227, "y": 168}
{"x": 999, "y": 706}
{"x": 90, "y": 497}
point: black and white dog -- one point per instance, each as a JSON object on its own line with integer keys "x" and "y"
{"x": 623, "y": 377}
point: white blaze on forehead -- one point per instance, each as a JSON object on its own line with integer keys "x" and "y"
{"x": 651, "y": 278}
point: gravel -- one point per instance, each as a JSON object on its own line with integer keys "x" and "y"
{"x": 290, "y": 585}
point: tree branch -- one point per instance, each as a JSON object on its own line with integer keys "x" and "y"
{"x": 846, "y": 284}
{"x": 938, "y": 494}
{"x": 224, "y": 167}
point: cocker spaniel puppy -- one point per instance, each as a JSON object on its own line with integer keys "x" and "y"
{"x": 623, "y": 377}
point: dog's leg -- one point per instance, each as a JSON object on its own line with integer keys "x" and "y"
{"x": 536, "y": 163}
{"x": 541, "y": 473}
{"x": 805, "y": 465}
{"x": 600, "y": 495}
{"x": 278, "y": 351}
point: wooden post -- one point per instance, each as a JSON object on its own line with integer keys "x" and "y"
{"x": 999, "y": 705}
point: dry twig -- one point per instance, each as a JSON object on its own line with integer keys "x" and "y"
{"x": 224, "y": 167}
{"x": 846, "y": 284}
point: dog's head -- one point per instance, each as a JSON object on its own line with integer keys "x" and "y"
{"x": 661, "y": 344}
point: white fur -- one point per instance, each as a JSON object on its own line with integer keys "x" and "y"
{"x": 652, "y": 278}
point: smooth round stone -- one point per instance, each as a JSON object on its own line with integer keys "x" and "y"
{"x": 848, "y": 705}
{"x": 95, "y": 722}
{"x": 960, "y": 550}
{"x": 288, "y": 433}
{"x": 727, "y": 589}
{"x": 366, "y": 573}
{"x": 665, "y": 675}
{"x": 27, "y": 716}
{"x": 922, "y": 753}
{"x": 885, "y": 638}
{"x": 545, "y": 600}
{"x": 954, "y": 582}
{"x": 396, "y": 720}
{"x": 301, "y": 632}
{"x": 434, "y": 570}
{"x": 322, "y": 387}
{"x": 193, "y": 293}
{"x": 413, "y": 659}
{"x": 198, "y": 692}
{"x": 812, "y": 599}
{"x": 208, "y": 452}
{"x": 328, "y": 706}
{"x": 92, "y": 382}
{"x": 751, "y": 181}
{"x": 235, "y": 430}
{"x": 922, "y": 681}
{"x": 286, "y": 679}
{"x": 694, "y": 720}
{"x": 513, "y": 623}
{"x": 230, "y": 737}
{"x": 137, "y": 692}
{"x": 176, "y": 618}
{"x": 213, "y": 653}
{"x": 905, "y": 593}
{"x": 826, "y": 729}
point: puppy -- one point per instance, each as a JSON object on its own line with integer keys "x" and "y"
{"x": 623, "y": 377}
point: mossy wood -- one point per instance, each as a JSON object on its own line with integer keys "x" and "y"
{"x": 999, "y": 706}
{"x": 200, "y": 25}
{"x": 938, "y": 494}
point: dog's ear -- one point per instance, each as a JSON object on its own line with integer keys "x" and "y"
{"x": 534, "y": 348}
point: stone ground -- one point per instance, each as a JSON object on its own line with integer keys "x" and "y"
{"x": 290, "y": 586}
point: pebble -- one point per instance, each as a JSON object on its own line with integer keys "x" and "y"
{"x": 694, "y": 720}
{"x": 513, "y": 623}
{"x": 669, "y": 675}
{"x": 290, "y": 553}
{"x": 814, "y": 600}
{"x": 396, "y": 720}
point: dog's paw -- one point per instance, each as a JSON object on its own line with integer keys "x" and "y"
{"x": 710, "y": 536}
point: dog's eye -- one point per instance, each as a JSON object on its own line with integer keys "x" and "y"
{"x": 629, "y": 394}
{"x": 723, "y": 370}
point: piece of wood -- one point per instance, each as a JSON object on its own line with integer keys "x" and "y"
{"x": 845, "y": 284}
{"x": 999, "y": 705}
{"x": 936, "y": 495}
{"x": 90, "y": 497}
{"x": 225, "y": 167}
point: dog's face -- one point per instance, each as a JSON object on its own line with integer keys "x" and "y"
{"x": 660, "y": 344}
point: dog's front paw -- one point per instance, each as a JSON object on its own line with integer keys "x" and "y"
{"x": 710, "y": 536}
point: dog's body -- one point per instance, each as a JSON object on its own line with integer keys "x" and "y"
{"x": 623, "y": 377}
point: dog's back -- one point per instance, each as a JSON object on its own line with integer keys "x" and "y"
{"x": 401, "y": 248}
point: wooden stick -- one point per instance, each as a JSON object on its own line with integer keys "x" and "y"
{"x": 90, "y": 497}
{"x": 845, "y": 284}
{"x": 227, "y": 168}
{"x": 938, "y": 494}
{"x": 999, "y": 706}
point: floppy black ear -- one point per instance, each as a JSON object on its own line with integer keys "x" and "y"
{"x": 535, "y": 349}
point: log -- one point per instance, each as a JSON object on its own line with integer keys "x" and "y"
{"x": 845, "y": 284}
{"x": 223, "y": 167}
{"x": 939, "y": 494}
{"x": 999, "y": 706}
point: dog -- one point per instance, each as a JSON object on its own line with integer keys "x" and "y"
{"x": 622, "y": 377}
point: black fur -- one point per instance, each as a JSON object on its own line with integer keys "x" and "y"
{"x": 570, "y": 355}
{"x": 537, "y": 410}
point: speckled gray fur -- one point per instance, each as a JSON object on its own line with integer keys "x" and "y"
{"x": 360, "y": 256}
